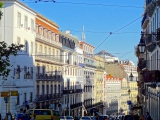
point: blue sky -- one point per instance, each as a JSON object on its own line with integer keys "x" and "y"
{"x": 99, "y": 19}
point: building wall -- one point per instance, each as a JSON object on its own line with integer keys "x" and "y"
{"x": 113, "y": 93}
{"x": 18, "y": 33}
{"x": 134, "y": 91}
{"x": 124, "y": 95}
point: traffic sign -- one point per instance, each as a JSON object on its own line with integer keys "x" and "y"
{"x": 4, "y": 94}
{"x": 6, "y": 99}
{"x": 14, "y": 93}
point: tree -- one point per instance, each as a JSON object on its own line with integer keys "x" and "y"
{"x": 1, "y": 5}
{"x": 5, "y": 52}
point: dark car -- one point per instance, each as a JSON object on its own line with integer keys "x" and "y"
{"x": 22, "y": 116}
{"x": 131, "y": 117}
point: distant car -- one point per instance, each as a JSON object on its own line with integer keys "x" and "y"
{"x": 93, "y": 117}
{"x": 86, "y": 118}
{"x": 69, "y": 118}
{"x": 77, "y": 118}
{"x": 131, "y": 117}
{"x": 103, "y": 117}
{"x": 62, "y": 117}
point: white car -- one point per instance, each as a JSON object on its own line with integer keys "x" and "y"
{"x": 62, "y": 117}
{"x": 85, "y": 118}
{"x": 69, "y": 118}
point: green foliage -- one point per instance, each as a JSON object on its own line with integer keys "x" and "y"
{"x": 5, "y": 52}
{"x": 1, "y": 5}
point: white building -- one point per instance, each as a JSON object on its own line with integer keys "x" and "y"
{"x": 113, "y": 94}
{"x": 72, "y": 93}
{"x": 109, "y": 58}
{"x": 18, "y": 26}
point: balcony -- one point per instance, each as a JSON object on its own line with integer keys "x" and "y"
{"x": 76, "y": 105}
{"x": 47, "y": 97}
{"x": 46, "y": 40}
{"x": 51, "y": 77}
{"x": 151, "y": 7}
{"x": 150, "y": 45}
{"x": 49, "y": 58}
{"x": 145, "y": 21}
{"x": 100, "y": 68}
{"x": 74, "y": 91}
{"x": 89, "y": 65}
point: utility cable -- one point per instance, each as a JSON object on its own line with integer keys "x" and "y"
{"x": 78, "y": 3}
{"x": 111, "y": 33}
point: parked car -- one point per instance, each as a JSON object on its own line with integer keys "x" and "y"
{"x": 69, "y": 118}
{"x": 22, "y": 116}
{"x": 41, "y": 114}
{"x": 93, "y": 118}
{"x": 86, "y": 118}
{"x": 103, "y": 117}
{"x": 62, "y": 117}
{"x": 131, "y": 117}
{"x": 56, "y": 114}
{"x": 77, "y": 118}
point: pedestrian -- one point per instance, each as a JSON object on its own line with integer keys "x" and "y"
{"x": 148, "y": 117}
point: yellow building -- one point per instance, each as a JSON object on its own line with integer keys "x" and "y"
{"x": 99, "y": 81}
{"x": 48, "y": 64}
{"x": 124, "y": 96}
{"x": 133, "y": 91}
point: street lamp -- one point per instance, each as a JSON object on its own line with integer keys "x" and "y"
{"x": 129, "y": 91}
{"x": 141, "y": 45}
{"x": 131, "y": 76}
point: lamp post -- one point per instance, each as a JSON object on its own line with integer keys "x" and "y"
{"x": 141, "y": 46}
{"x": 129, "y": 103}
{"x": 131, "y": 76}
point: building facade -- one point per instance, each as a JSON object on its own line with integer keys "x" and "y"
{"x": 89, "y": 73}
{"x": 113, "y": 93}
{"x": 48, "y": 64}
{"x": 19, "y": 31}
{"x": 99, "y": 82}
{"x": 148, "y": 60}
{"x": 124, "y": 96}
{"x": 72, "y": 92}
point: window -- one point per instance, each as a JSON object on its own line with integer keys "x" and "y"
{"x": 53, "y": 36}
{"x": 35, "y": 48}
{"x": 31, "y": 96}
{"x": 32, "y": 24}
{"x": 18, "y": 40}
{"x": 18, "y": 72}
{"x": 40, "y": 49}
{"x": 31, "y": 47}
{"x": 19, "y": 19}
{"x": 26, "y": 46}
{"x": 25, "y": 97}
{"x": 25, "y": 71}
{"x": 25, "y": 22}
{"x": 45, "y": 50}
{"x": 31, "y": 73}
{"x": 17, "y": 100}
{"x": 57, "y": 38}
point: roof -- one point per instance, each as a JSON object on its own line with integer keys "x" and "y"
{"x": 110, "y": 77}
{"x": 104, "y": 52}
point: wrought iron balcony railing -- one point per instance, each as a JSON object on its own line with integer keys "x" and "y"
{"x": 53, "y": 42}
{"x": 47, "y": 77}
{"x": 52, "y": 58}
{"x": 73, "y": 106}
{"x": 73, "y": 91}
{"x": 48, "y": 97}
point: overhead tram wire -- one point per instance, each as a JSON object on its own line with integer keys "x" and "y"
{"x": 111, "y": 33}
{"x": 78, "y": 3}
